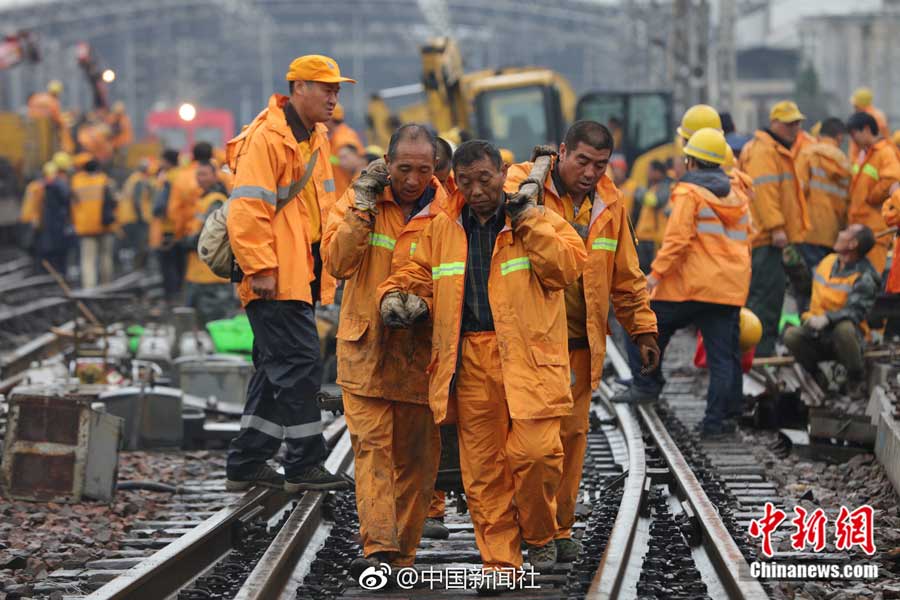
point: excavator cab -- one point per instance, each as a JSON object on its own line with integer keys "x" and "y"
{"x": 521, "y": 108}
{"x": 641, "y": 124}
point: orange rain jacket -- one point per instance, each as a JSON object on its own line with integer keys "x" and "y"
{"x": 88, "y": 192}
{"x": 32, "y": 211}
{"x": 185, "y": 195}
{"x": 803, "y": 141}
{"x": 875, "y": 177}
{"x": 741, "y": 184}
{"x": 705, "y": 256}
{"x": 373, "y": 360}
{"x": 824, "y": 172}
{"x": 198, "y": 271}
{"x": 530, "y": 268}
{"x": 45, "y": 105}
{"x": 266, "y": 161}
{"x": 890, "y": 210}
{"x": 611, "y": 270}
{"x": 137, "y": 193}
{"x": 778, "y": 201}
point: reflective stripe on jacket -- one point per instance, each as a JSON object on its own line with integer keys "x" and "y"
{"x": 778, "y": 201}
{"x": 824, "y": 173}
{"x": 874, "y": 178}
{"x": 530, "y": 268}
{"x": 705, "y": 255}
{"x": 267, "y": 161}
{"x": 611, "y": 271}
{"x": 373, "y": 360}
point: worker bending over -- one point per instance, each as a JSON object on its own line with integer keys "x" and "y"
{"x": 779, "y": 212}
{"x": 876, "y": 174}
{"x": 283, "y": 182}
{"x": 492, "y": 273}
{"x": 382, "y": 371}
{"x": 579, "y": 190}
{"x": 844, "y": 290}
{"x": 701, "y": 277}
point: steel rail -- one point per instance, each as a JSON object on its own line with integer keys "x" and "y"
{"x": 173, "y": 567}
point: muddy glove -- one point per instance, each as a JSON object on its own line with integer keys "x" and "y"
{"x": 416, "y": 308}
{"x": 393, "y": 310}
{"x": 542, "y": 150}
{"x": 517, "y": 204}
{"x": 369, "y": 185}
{"x": 646, "y": 343}
{"x": 817, "y": 322}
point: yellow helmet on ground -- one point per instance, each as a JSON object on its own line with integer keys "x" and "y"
{"x": 699, "y": 117}
{"x": 55, "y": 87}
{"x": 862, "y": 97}
{"x": 751, "y": 330}
{"x": 708, "y": 145}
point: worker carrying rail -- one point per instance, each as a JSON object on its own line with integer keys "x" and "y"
{"x": 283, "y": 190}
{"x": 371, "y": 233}
{"x": 492, "y": 272}
{"x": 844, "y": 290}
{"x": 579, "y": 190}
{"x": 702, "y": 277}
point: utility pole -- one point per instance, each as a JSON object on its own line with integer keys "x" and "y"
{"x": 726, "y": 55}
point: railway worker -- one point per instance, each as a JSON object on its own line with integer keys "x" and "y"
{"x": 54, "y": 239}
{"x": 876, "y": 174}
{"x": 340, "y": 134}
{"x": 844, "y": 291}
{"x": 579, "y": 190}
{"x": 210, "y": 295}
{"x": 701, "y": 277}
{"x": 443, "y": 166}
{"x": 491, "y": 274}
{"x": 697, "y": 117}
{"x": 32, "y": 211}
{"x": 350, "y": 160}
{"x": 46, "y": 104}
{"x": 135, "y": 210}
{"x": 824, "y": 173}
{"x": 382, "y": 371}
{"x": 862, "y": 101}
{"x": 651, "y": 223}
{"x": 283, "y": 189}
{"x": 162, "y": 228}
{"x": 93, "y": 215}
{"x": 779, "y": 214}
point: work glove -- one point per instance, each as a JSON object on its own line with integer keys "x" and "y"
{"x": 542, "y": 150}
{"x": 416, "y": 308}
{"x": 369, "y": 185}
{"x": 817, "y": 322}
{"x": 393, "y": 310}
{"x": 646, "y": 343}
{"x": 517, "y": 204}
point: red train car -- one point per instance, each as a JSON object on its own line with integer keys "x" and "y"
{"x": 213, "y": 125}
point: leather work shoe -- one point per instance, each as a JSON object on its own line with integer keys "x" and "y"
{"x": 635, "y": 395}
{"x": 315, "y": 478}
{"x": 567, "y": 550}
{"x": 435, "y": 530}
{"x": 542, "y": 558}
{"x": 264, "y": 476}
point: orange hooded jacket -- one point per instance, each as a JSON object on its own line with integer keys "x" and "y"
{"x": 267, "y": 161}
{"x": 373, "y": 360}
{"x": 705, "y": 256}
{"x": 530, "y": 268}
{"x": 824, "y": 173}
{"x": 778, "y": 201}
{"x": 611, "y": 269}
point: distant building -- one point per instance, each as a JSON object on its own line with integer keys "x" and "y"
{"x": 849, "y": 51}
{"x": 765, "y": 75}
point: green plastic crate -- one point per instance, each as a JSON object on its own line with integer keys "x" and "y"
{"x": 231, "y": 335}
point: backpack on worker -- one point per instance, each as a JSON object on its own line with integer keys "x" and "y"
{"x": 213, "y": 246}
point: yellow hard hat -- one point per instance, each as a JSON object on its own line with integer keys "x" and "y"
{"x": 63, "y": 160}
{"x": 698, "y": 117}
{"x": 708, "y": 145}
{"x": 50, "y": 169}
{"x": 729, "y": 159}
{"x": 375, "y": 149}
{"x": 786, "y": 111}
{"x": 862, "y": 97}
{"x": 751, "y": 330}
{"x": 55, "y": 87}
{"x": 507, "y": 156}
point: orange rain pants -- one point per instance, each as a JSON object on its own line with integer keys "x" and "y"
{"x": 510, "y": 467}
{"x": 393, "y": 489}
{"x": 438, "y": 507}
{"x": 573, "y": 430}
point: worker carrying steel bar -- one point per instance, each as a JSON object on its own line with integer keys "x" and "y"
{"x": 779, "y": 211}
{"x": 844, "y": 290}
{"x": 702, "y": 277}
{"x": 579, "y": 190}
{"x": 876, "y": 174}
{"x": 282, "y": 183}
{"x": 492, "y": 269}
{"x": 372, "y": 232}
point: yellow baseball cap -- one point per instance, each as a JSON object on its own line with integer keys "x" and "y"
{"x": 786, "y": 112}
{"x": 316, "y": 67}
